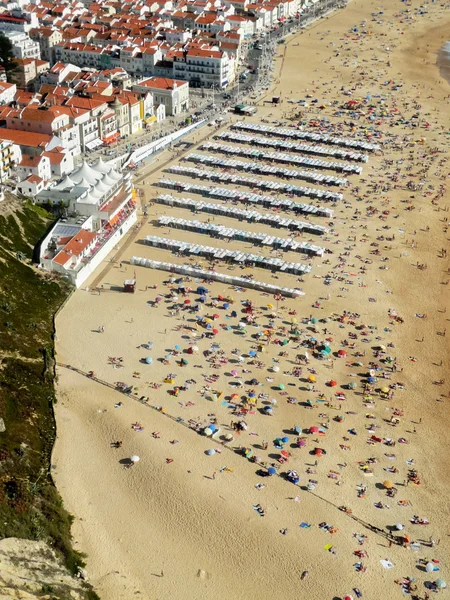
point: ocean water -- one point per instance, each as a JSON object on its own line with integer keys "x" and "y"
{"x": 443, "y": 61}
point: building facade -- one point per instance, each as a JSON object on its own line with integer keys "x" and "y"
{"x": 23, "y": 46}
{"x": 174, "y": 94}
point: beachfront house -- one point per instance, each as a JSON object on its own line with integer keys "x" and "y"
{"x": 101, "y": 206}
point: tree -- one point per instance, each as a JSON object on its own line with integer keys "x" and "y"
{"x": 7, "y": 58}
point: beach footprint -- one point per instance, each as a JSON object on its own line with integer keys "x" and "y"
{"x": 201, "y": 574}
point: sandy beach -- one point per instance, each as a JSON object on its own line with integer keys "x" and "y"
{"x": 185, "y": 522}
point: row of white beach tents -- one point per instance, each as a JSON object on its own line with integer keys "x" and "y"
{"x": 312, "y": 136}
{"x": 226, "y": 194}
{"x": 252, "y": 237}
{"x": 263, "y": 169}
{"x": 215, "y": 276}
{"x": 262, "y": 184}
{"x": 252, "y": 216}
{"x": 232, "y": 256}
{"x": 316, "y": 163}
{"x": 256, "y": 154}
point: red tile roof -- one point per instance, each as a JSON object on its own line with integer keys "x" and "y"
{"x": 80, "y": 242}
{"x": 56, "y": 158}
{"x": 34, "y": 179}
{"x": 30, "y": 161}
{"x": 62, "y": 258}
{"x": 25, "y": 138}
{"x": 161, "y": 83}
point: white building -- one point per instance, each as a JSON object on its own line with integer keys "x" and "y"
{"x": 58, "y": 73}
{"x": 204, "y": 67}
{"x": 23, "y": 46}
{"x": 33, "y": 165}
{"x": 32, "y": 186}
{"x": 102, "y": 199}
{"x": 173, "y": 93}
{"x": 82, "y": 55}
{"x": 16, "y": 20}
{"x": 7, "y": 92}
{"x": 50, "y": 121}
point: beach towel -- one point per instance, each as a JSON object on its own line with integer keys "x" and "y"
{"x": 305, "y": 525}
{"x": 387, "y": 564}
{"x": 328, "y": 547}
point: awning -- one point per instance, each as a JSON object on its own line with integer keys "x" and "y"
{"x": 151, "y": 119}
{"x": 111, "y": 137}
{"x": 94, "y": 144}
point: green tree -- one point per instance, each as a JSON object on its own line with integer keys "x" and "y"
{"x": 7, "y": 59}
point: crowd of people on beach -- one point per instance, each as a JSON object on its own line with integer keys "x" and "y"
{"x": 310, "y": 394}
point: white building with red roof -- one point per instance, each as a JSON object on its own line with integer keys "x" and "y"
{"x": 103, "y": 201}
{"x": 7, "y": 92}
{"x": 172, "y": 93}
{"x": 204, "y": 66}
